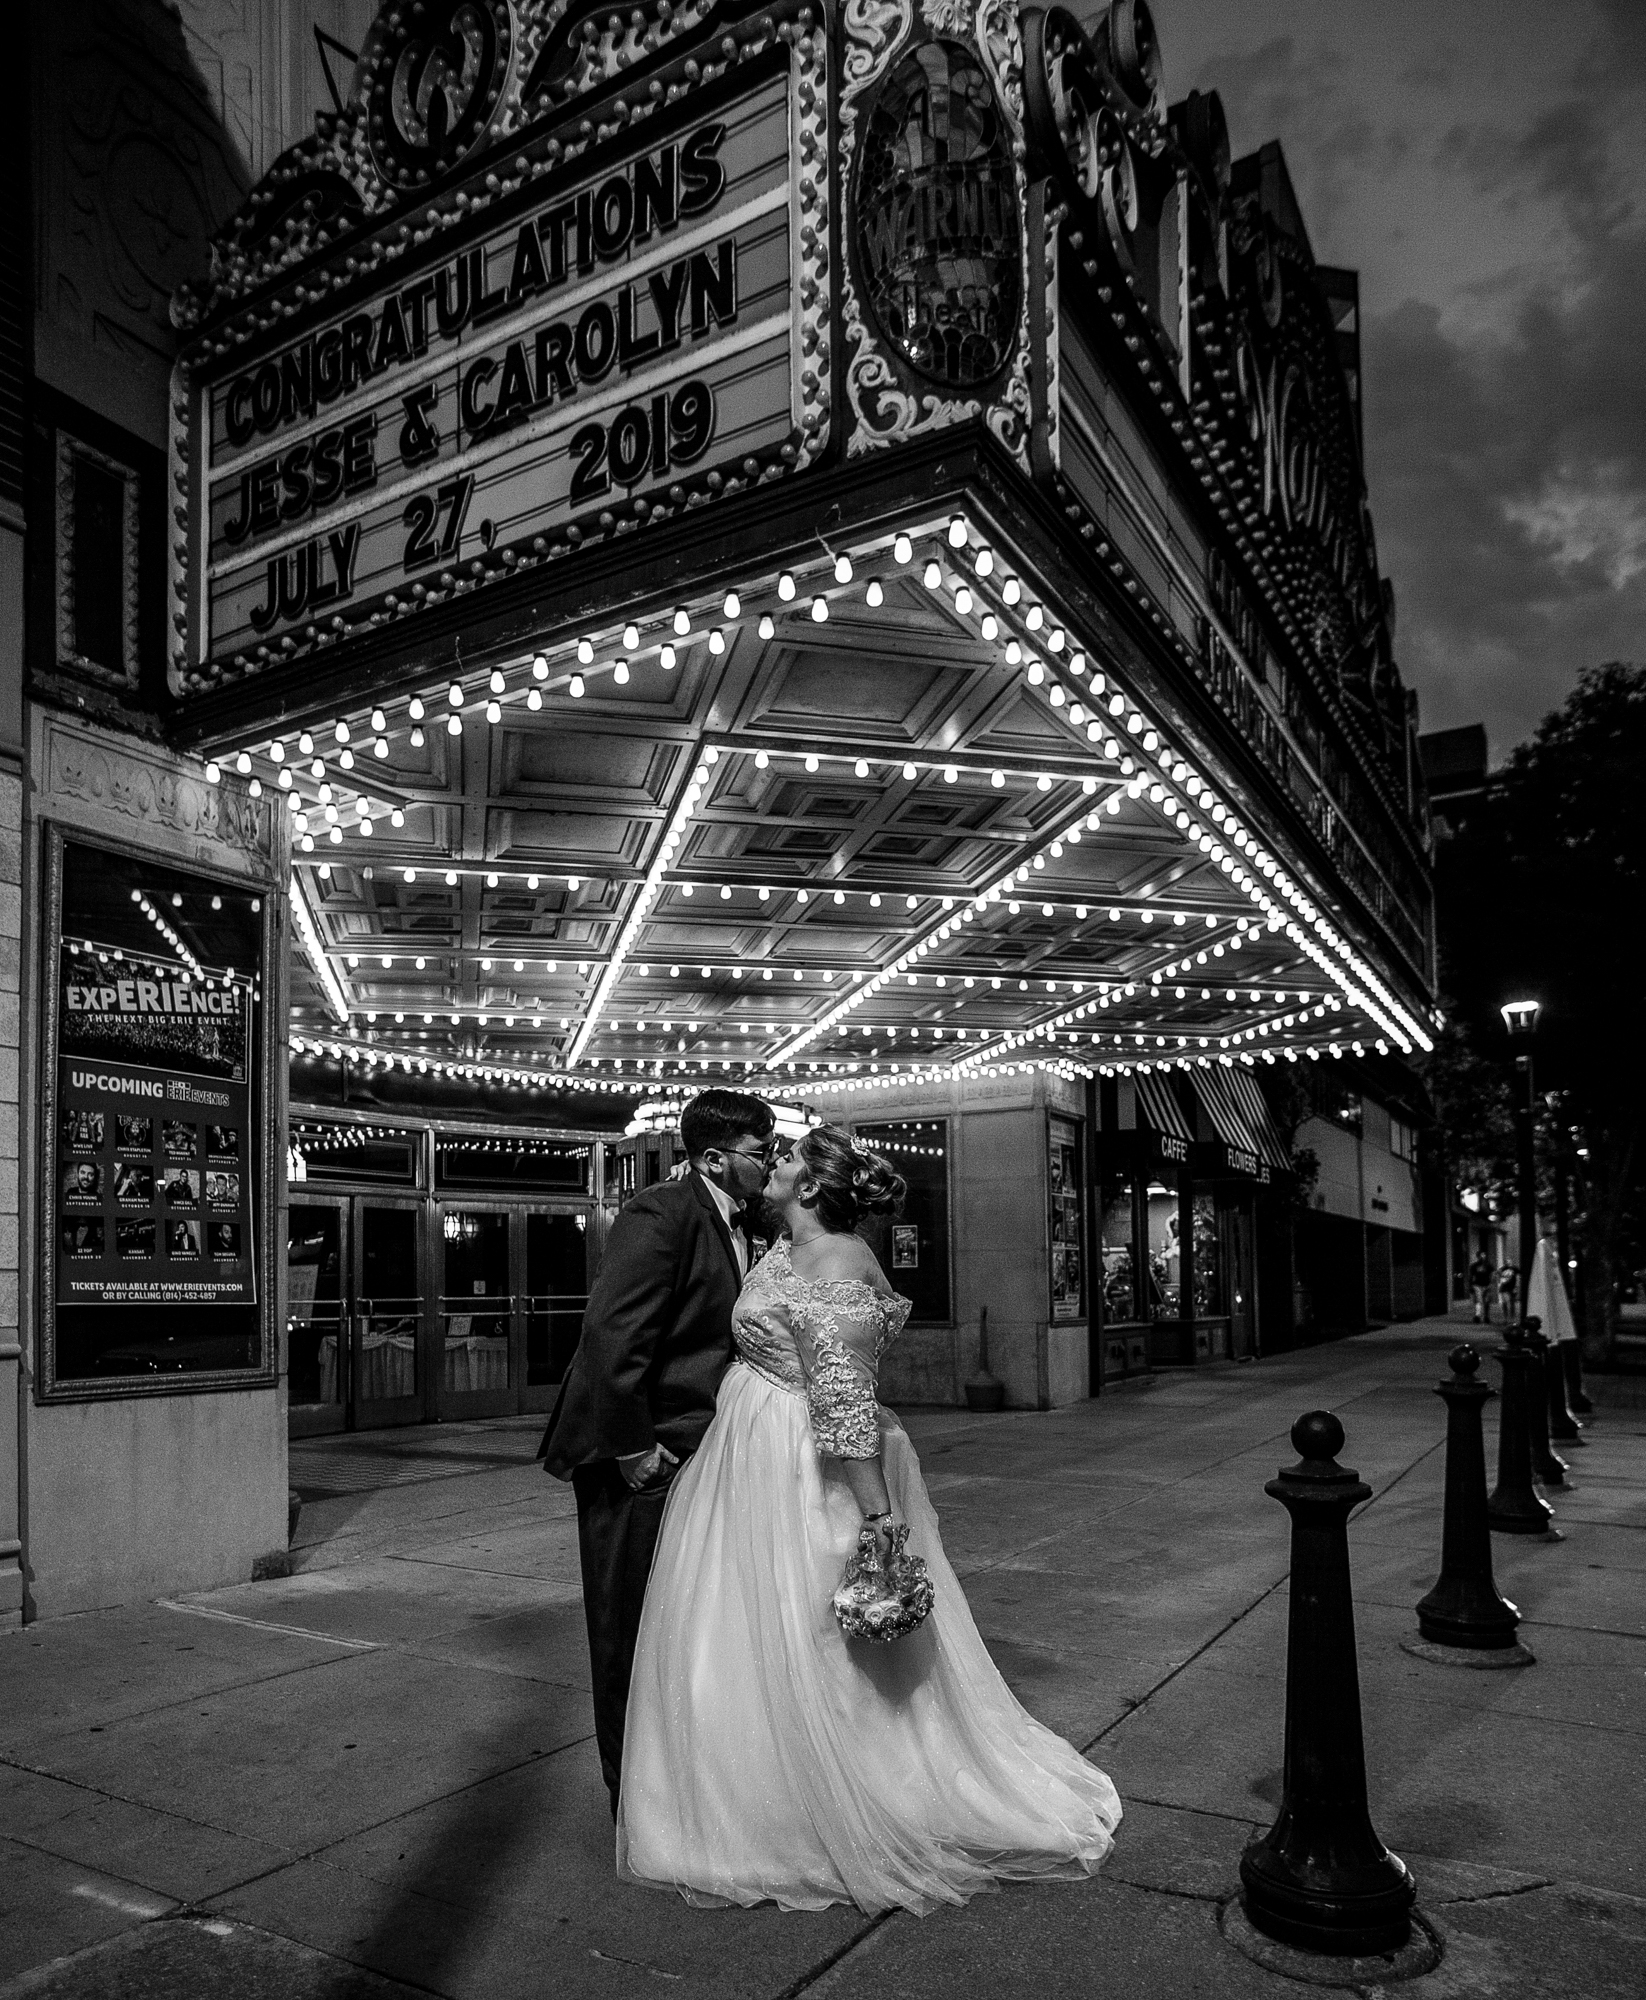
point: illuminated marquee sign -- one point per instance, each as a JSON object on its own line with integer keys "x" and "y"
{"x": 632, "y": 328}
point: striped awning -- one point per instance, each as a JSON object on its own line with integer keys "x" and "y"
{"x": 1267, "y": 1142}
{"x": 1159, "y": 1106}
{"x": 1228, "y": 1116}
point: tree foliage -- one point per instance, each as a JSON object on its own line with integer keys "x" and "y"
{"x": 1542, "y": 895}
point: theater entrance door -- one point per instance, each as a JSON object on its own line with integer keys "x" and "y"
{"x": 355, "y": 1313}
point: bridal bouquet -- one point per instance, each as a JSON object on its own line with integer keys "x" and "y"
{"x": 882, "y": 1600}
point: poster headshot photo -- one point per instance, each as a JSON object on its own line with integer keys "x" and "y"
{"x": 182, "y": 1239}
{"x": 81, "y": 1236}
{"x": 177, "y": 1139}
{"x": 82, "y": 1182}
{"x": 134, "y": 1236}
{"x": 133, "y": 1135}
{"x": 223, "y": 1190}
{"x": 82, "y": 1131}
{"x": 225, "y": 1239}
{"x": 182, "y": 1185}
{"x": 134, "y": 1182}
{"x": 224, "y": 1139}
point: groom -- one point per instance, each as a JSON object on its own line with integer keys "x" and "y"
{"x": 638, "y": 1396}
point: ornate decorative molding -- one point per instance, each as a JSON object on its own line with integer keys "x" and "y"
{"x": 887, "y": 404}
{"x": 158, "y": 796}
{"x": 73, "y": 452}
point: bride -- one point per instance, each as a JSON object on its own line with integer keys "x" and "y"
{"x": 768, "y": 1757}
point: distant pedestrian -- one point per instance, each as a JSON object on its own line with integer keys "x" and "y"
{"x": 1508, "y": 1286}
{"x": 1482, "y": 1287}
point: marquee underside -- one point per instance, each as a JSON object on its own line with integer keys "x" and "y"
{"x": 836, "y": 838}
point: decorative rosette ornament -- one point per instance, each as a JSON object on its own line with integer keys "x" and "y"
{"x": 883, "y": 1600}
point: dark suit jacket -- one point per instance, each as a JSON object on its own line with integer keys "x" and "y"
{"x": 657, "y": 1333}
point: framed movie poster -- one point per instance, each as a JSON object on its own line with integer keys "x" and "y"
{"x": 155, "y": 1269}
{"x": 1064, "y": 1188}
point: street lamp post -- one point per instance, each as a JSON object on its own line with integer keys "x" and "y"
{"x": 1520, "y": 1018}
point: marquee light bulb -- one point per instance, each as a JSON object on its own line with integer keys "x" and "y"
{"x": 285, "y": 781}
{"x": 962, "y": 600}
{"x": 785, "y": 587}
{"x": 305, "y": 743}
{"x": 242, "y": 763}
{"x": 957, "y": 531}
{"x": 540, "y": 668}
{"x": 733, "y": 605}
{"x": 932, "y": 575}
{"x": 454, "y": 694}
{"x": 575, "y": 689}
{"x": 454, "y": 725}
{"x": 380, "y": 748}
{"x": 985, "y": 562}
{"x": 842, "y": 569}
{"x": 497, "y": 683}
{"x": 620, "y": 673}
{"x": 682, "y": 623}
{"x": 341, "y": 732}
{"x": 820, "y": 610}
{"x": 417, "y": 739}
{"x": 534, "y": 698}
{"x": 494, "y": 711}
{"x": 666, "y": 658}
{"x": 874, "y": 594}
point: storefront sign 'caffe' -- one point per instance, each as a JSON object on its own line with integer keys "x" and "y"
{"x": 602, "y": 338}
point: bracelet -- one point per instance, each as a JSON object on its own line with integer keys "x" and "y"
{"x": 885, "y": 1515}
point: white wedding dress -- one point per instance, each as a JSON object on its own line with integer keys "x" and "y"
{"x": 766, "y": 1756}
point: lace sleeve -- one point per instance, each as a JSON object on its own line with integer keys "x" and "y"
{"x": 839, "y": 1343}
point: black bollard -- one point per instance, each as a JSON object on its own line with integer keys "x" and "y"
{"x": 1465, "y": 1608}
{"x": 1516, "y": 1507}
{"x": 1547, "y": 1464}
{"x": 1576, "y": 1396}
{"x": 1563, "y": 1426}
{"x": 1320, "y": 1878}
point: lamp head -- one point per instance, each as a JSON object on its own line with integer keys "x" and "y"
{"x": 1520, "y": 1016}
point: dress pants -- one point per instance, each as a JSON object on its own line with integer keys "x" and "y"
{"x": 616, "y": 1535}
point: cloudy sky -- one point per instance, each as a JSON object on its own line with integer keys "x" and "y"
{"x": 1483, "y": 164}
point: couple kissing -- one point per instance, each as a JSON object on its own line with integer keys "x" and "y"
{"x": 720, "y": 1428}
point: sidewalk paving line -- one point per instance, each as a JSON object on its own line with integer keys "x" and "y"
{"x": 264, "y": 1625}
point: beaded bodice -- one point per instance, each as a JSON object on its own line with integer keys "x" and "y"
{"x": 821, "y": 1338}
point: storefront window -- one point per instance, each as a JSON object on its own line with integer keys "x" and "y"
{"x": 154, "y": 1120}
{"x": 1208, "y": 1258}
{"x": 1065, "y": 1182}
{"x": 913, "y": 1247}
{"x": 1165, "y": 1253}
{"x": 1119, "y": 1250}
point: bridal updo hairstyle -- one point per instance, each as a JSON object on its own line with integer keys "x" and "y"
{"x": 852, "y": 1182}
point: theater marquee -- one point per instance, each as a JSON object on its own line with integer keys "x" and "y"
{"x": 639, "y": 335}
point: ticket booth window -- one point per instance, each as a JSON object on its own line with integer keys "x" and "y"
{"x": 913, "y": 1247}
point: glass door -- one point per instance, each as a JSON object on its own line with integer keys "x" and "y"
{"x": 316, "y": 1315}
{"x": 479, "y": 1367}
{"x": 556, "y": 1292}
{"x": 388, "y": 1312}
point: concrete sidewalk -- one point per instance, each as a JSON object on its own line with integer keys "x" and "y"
{"x": 377, "y": 1776}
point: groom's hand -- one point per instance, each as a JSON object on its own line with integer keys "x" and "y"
{"x": 641, "y": 1469}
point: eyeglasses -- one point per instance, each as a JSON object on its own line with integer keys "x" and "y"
{"x": 769, "y": 1151}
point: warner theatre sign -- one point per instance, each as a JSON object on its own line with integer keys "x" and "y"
{"x": 634, "y": 325}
